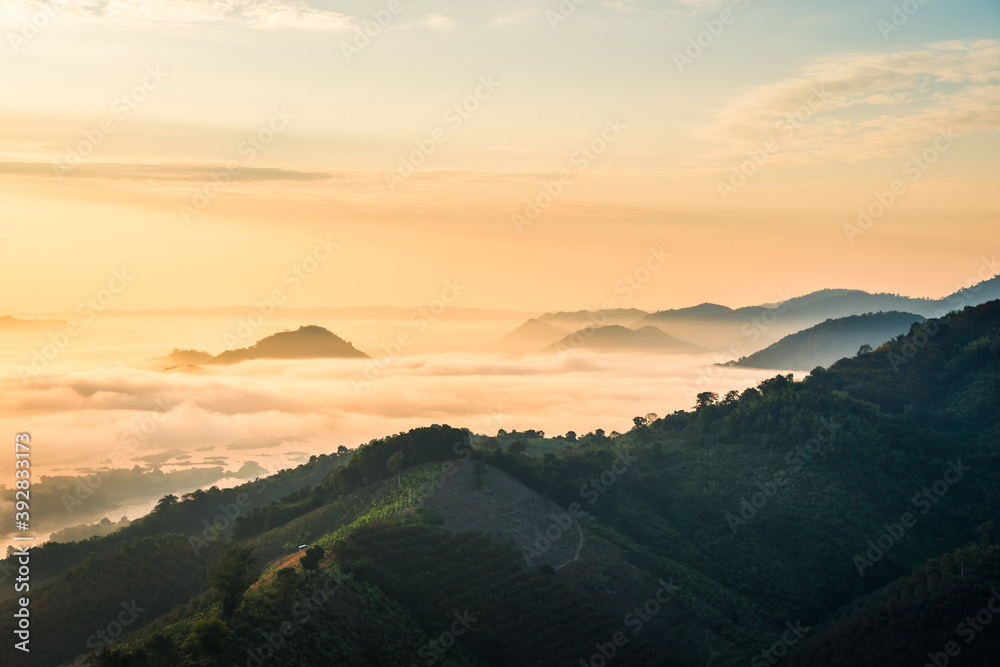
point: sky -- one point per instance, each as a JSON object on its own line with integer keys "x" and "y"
{"x": 537, "y": 153}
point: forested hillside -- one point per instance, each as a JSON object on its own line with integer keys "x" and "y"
{"x": 848, "y": 518}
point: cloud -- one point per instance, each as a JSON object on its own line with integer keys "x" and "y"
{"x": 872, "y": 105}
{"x": 514, "y": 17}
{"x": 268, "y": 410}
{"x": 164, "y": 172}
{"x": 257, "y": 14}
{"x": 676, "y": 7}
{"x": 439, "y": 22}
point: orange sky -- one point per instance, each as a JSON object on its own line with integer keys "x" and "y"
{"x": 547, "y": 156}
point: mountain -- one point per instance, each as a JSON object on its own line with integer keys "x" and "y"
{"x": 531, "y": 336}
{"x": 306, "y": 342}
{"x": 845, "y": 519}
{"x": 617, "y": 338}
{"x": 180, "y": 358}
{"x": 829, "y": 341}
{"x": 9, "y": 323}
{"x": 740, "y": 331}
{"x": 589, "y": 318}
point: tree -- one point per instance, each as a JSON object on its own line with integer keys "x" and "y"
{"x": 705, "y": 399}
{"x": 517, "y": 448}
{"x": 570, "y": 436}
{"x": 987, "y": 533}
{"x": 341, "y": 450}
{"x": 310, "y": 561}
{"x": 286, "y": 579}
{"x": 774, "y": 385}
{"x": 162, "y": 650}
{"x": 864, "y": 349}
{"x": 732, "y": 397}
{"x": 208, "y": 635}
{"x": 232, "y": 576}
{"x": 638, "y": 422}
{"x": 165, "y": 502}
{"x": 651, "y": 417}
{"x": 478, "y": 470}
{"x": 395, "y": 465}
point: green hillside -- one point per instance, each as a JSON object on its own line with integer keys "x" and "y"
{"x": 846, "y": 519}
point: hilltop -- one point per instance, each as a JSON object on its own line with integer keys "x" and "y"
{"x": 616, "y": 338}
{"x": 753, "y": 511}
{"x": 831, "y": 340}
{"x": 306, "y": 342}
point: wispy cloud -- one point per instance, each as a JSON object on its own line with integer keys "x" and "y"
{"x": 677, "y": 6}
{"x": 515, "y": 17}
{"x": 875, "y": 105}
{"x": 259, "y": 14}
{"x": 158, "y": 172}
{"x": 439, "y": 22}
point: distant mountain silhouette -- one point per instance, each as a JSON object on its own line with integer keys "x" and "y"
{"x": 9, "y": 323}
{"x": 580, "y": 319}
{"x": 616, "y": 338}
{"x": 307, "y": 342}
{"x": 531, "y": 336}
{"x": 830, "y": 341}
{"x": 187, "y": 358}
{"x": 738, "y": 331}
